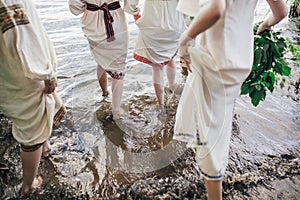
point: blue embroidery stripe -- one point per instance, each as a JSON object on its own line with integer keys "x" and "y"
{"x": 189, "y": 136}
{"x": 184, "y": 134}
{"x": 197, "y": 127}
{"x": 209, "y": 176}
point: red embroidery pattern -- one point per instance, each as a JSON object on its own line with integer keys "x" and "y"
{"x": 116, "y": 75}
{"x": 12, "y": 16}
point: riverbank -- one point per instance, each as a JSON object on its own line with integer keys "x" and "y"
{"x": 91, "y": 155}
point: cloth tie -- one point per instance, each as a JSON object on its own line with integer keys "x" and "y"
{"x": 108, "y": 19}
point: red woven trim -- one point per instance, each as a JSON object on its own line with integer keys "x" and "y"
{"x": 142, "y": 59}
{"x": 147, "y": 61}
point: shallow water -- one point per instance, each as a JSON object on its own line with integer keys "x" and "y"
{"x": 135, "y": 158}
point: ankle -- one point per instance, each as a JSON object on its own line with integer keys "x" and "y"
{"x": 25, "y": 189}
{"x": 105, "y": 93}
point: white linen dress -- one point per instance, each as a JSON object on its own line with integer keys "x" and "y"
{"x": 27, "y": 59}
{"x": 109, "y": 54}
{"x": 221, "y": 60}
{"x": 160, "y": 28}
{"x": 189, "y": 7}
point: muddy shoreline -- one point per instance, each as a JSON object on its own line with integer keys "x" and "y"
{"x": 251, "y": 174}
{"x": 265, "y": 143}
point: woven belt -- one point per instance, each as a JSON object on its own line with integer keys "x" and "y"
{"x": 108, "y": 19}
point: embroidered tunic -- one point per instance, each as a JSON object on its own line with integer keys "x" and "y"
{"x": 160, "y": 28}
{"x": 27, "y": 59}
{"x": 221, "y": 60}
{"x": 105, "y": 27}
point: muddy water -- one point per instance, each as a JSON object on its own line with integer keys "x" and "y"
{"x": 135, "y": 157}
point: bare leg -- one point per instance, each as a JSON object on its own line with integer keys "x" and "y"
{"x": 214, "y": 189}
{"x": 171, "y": 73}
{"x": 117, "y": 91}
{"x": 102, "y": 79}
{"x": 46, "y": 149}
{"x": 158, "y": 82}
{"x": 30, "y": 164}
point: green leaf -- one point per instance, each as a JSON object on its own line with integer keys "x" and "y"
{"x": 269, "y": 80}
{"x": 275, "y": 50}
{"x": 258, "y": 87}
{"x": 265, "y": 54}
{"x": 286, "y": 70}
{"x": 257, "y": 96}
{"x": 245, "y": 88}
{"x": 269, "y": 64}
{"x": 257, "y": 57}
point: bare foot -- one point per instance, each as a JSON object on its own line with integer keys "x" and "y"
{"x": 37, "y": 182}
{"x": 117, "y": 114}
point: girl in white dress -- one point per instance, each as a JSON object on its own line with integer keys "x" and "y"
{"x": 160, "y": 28}
{"x": 219, "y": 63}
{"x": 104, "y": 25}
{"x": 27, "y": 84}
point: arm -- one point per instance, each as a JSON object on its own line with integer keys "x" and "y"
{"x": 77, "y": 6}
{"x": 35, "y": 50}
{"x": 279, "y": 11}
{"x": 206, "y": 17}
{"x": 131, "y": 7}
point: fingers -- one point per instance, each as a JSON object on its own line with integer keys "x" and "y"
{"x": 50, "y": 86}
{"x": 184, "y": 43}
{"x": 262, "y": 27}
{"x": 185, "y": 63}
{"x": 259, "y": 30}
{"x": 49, "y": 90}
{"x": 189, "y": 67}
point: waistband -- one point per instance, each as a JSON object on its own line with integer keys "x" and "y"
{"x": 108, "y": 19}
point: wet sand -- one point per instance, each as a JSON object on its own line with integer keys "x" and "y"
{"x": 263, "y": 164}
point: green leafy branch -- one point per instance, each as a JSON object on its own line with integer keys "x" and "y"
{"x": 269, "y": 64}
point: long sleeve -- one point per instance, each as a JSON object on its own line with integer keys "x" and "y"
{"x": 28, "y": 41}
{"x": 77, "y": 6}
{"x": 35, "y": 49}
{"x": 131, "y": 7}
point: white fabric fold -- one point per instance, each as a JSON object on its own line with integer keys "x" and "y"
{"x": 221, "y": 60}
{"x": 27, "y": 59}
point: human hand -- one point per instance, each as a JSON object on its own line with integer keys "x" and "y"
{"x": 136, "y": 17}
{"x": 184, "y": 43}
{"x": 50, "y": 86}
{"x": 185, "y": 66}
{"x": 262, "y": 27}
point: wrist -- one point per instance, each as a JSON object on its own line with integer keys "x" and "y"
{"x": 185, "y": 38}
{"x": 267, "y": 25}
{"x": 49, "y": 81}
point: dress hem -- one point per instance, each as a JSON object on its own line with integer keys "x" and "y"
{"x": 147, "y": 61}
